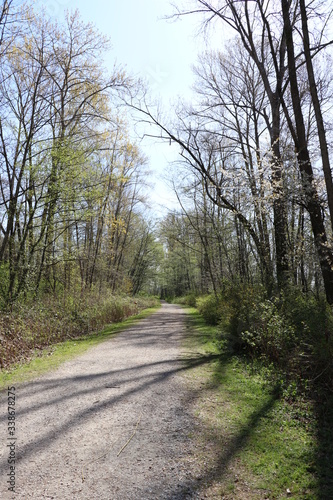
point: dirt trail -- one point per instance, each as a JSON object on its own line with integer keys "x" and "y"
{"x": 111, "y": 424}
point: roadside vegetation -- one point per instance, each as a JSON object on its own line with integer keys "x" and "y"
{"x": 77, "y": 251}
{"x": 51, "y": 352}
{"x": 29, "y": 329}
{"x": 264, "y": 395}
{"x": 289, "y": 334}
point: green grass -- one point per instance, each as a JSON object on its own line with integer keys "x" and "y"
{"x": 263, "y": 446}
{"x": 50, "y": 358}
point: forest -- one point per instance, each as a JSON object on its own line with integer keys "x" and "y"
{"x": 250, "y": 243}
{"x": 75, "y": 243}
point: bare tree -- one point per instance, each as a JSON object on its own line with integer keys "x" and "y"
{"x": 308, "y": 54}
{"x": 259, "y": 31}
{"x": 58, "y": 114}
{"x": 311, "y": 198}
{"x": 268, "y": 31}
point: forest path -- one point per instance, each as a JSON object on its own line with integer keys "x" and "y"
{"x": 111, "y": 424}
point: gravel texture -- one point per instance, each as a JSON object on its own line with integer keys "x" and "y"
{"x": 111, "y": 424}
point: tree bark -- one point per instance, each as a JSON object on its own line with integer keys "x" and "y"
{"x": 312, "y": 203}
{"x": 317, "y": 110}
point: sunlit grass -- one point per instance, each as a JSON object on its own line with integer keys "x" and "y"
{"x": 262, "y": 444}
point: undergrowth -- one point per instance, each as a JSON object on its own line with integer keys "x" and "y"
{"x": 291, "y": 334}
{"x": 54, "y": 355}
{"x": 287, "y": 341}
{"x": 32, "y": 326}
{"x": 255, "y": 443}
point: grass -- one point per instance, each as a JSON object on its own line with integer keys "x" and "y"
{"x": 255, "y": 444}
{"x": 36, "y": 325}
{"x": 51, "y": 357}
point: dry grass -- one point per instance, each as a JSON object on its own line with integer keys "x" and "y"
{"x": 32, "y": 327}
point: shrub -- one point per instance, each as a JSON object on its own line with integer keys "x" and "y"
{"x": 291, "y": 333}
{"x": 189, "y": 300}
{"x": 52, "y": 319}
{"x": 209, "y": 307}
{"x": 269, "y": 334}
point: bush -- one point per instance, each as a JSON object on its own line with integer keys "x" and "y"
{"x": 189, "y": 300}
{"x": 210, "y": 308}
{"x": 291, "y": 333}
{"x": 269, "y": 335}
{"x": 50, "y": 320}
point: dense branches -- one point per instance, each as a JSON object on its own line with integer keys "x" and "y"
{"x": 69, "y": 176}
{"x": 260, "y": 114}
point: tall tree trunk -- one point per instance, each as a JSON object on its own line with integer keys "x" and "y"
{"x": 312, "y": 203}
{"x": 317, "y": 110}
{"x": 279, "y": 209}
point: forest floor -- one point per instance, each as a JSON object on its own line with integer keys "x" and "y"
{"x": 125, "y": 421}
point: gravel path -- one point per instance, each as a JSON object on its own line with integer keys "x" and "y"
{"x": 111, "y": 424}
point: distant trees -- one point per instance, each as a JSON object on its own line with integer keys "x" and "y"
{"x": 256, "y": 135}
{"x": 256, "y": 190}
{"x": 70, "y": 179}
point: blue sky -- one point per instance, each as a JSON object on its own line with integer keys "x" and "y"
{"x": 159, "y": 50}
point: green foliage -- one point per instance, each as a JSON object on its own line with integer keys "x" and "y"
{"x": 4, "y": 280}
{"x": 291, "y": 334}
{"x": 269, "y": 333}
{"x": 246, "y": 426}
{"x": 189, "y": 300}
{"x": 309, "y": 316}
{"x": 78, "y": 210}
{"x": 209, "y": 307}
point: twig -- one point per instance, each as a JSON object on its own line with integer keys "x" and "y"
{"x": 98, "y": 458}
{"x": 322, "y": 373}
{"x": 120, "y": 451}
{"x": 136, "y": 428}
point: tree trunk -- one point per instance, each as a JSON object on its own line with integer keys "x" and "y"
{"x": 279, "y": 209}
{"x": 312, "y": 203}
{"x": 317, "y": 110}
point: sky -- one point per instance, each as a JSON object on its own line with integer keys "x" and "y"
{"x": 159, "y": 50}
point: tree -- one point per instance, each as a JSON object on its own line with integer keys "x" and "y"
{"x": 146, "y": 258}
{"x": 178, "y": 274}
{"x": 308, "y": 50}
{"x": 22, "y": 86}
{"x": 268, "y": 36}
{"x": 70, "y": 179}
{"x": 231, "y": 109}
{"x": 209, "y": 156}
{"x": 311, "y": 198}
{"x": 260, "y": 33}
{"x": 5, "y": 13}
